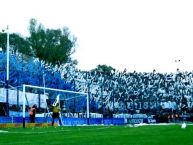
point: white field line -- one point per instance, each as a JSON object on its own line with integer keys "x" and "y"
{"x": 37, "y": 132}
{"x": 57, "y": 131}
{"x": 156, "y": 124}
{"x": 80, "y": 128}
{"x": 3, "y": 131}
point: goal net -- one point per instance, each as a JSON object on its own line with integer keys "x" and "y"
{"x": 72, "y": 104}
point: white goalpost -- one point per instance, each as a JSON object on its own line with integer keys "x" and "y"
{"x": 66, "y": 93}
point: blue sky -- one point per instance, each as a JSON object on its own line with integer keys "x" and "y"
{"x": 139, "y": 35}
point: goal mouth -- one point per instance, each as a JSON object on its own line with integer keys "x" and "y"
{"x": 71, "y": 103}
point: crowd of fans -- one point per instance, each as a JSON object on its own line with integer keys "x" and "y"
{"x": 114, "y": 91}
{"x": 134, "y": 92}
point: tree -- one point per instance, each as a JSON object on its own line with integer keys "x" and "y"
{"x": 104, "y": 69}
{"x": 52, "y": 46}
{"x": 17, "y": 43}
{"x": 3, "y": 39}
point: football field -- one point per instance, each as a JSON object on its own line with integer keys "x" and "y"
{"x": 98, "y": 135}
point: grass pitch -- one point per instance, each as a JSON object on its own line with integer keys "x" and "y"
{"x": 98, "y": 135}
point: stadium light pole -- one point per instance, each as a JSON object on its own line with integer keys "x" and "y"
{"x": 177, "y": 61}
{"x": 7, "y": 72}
{"x": 87, "y": 100}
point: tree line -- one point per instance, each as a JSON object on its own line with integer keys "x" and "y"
{"x": 51, "y": 46}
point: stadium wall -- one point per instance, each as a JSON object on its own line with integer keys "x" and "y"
{"x": 67, "y": 121}
{"x": 91, "y": 121}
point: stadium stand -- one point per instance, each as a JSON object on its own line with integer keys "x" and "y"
{"x": 158, "y": 94}
{"x": 128, "y": 93}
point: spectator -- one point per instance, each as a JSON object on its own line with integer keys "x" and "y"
{"x": 32, "y": 113}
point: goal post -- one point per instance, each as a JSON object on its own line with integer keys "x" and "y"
{"x": 25, "y": 87}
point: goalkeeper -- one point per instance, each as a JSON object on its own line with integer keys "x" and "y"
{"x": 56, "y": 114}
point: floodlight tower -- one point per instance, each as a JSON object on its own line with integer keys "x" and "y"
{"x": 7, "y": 73}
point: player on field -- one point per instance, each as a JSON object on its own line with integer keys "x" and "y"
{"x": 56, "y": 114}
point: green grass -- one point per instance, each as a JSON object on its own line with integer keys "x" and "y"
{"x": 99, "y": 135}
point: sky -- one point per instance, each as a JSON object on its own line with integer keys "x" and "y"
{"x": 139, "y": 35}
